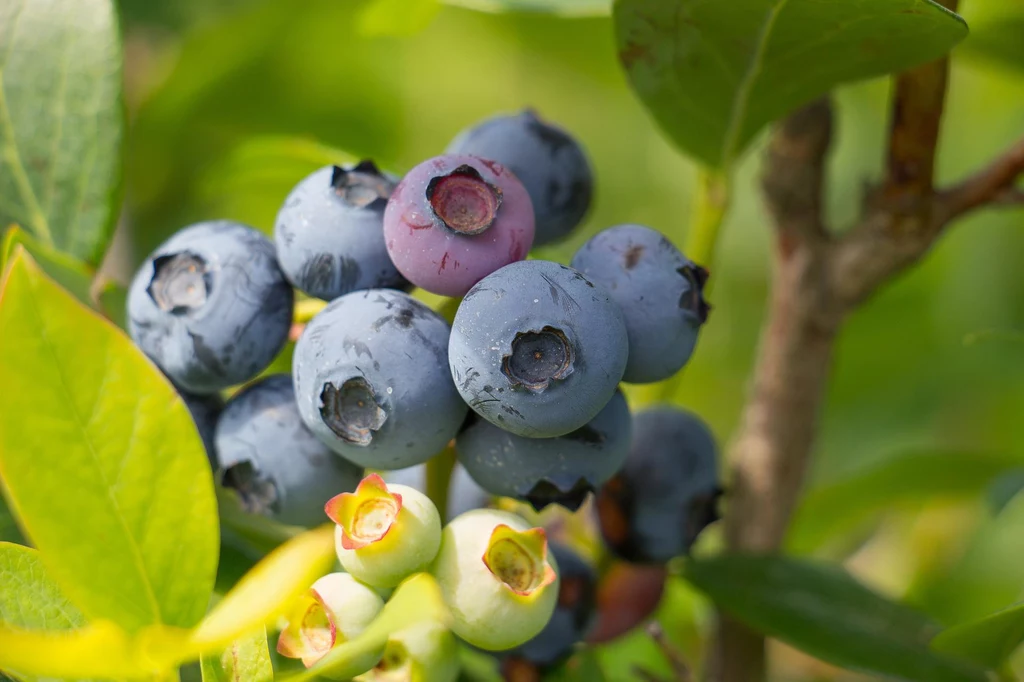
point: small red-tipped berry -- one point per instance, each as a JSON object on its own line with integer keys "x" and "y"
{"x": 384, "y": 533}
{"x": 336, "y": 609}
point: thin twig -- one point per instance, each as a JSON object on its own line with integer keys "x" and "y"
{"x": 680, "y": 669}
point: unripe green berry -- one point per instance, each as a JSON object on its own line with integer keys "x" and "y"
{"x": 336, "y": 609}
{"x": 426, "y": 652}
{"x": 497, "y": 577}
{"x": 384, "y": 533}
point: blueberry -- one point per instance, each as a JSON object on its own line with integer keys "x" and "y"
{"x": 542, "y": 471}
{"x": 497, "y": 577}
{"x": 667, "y": 492}
{"x": 268, "y": 455}
{"x": 210, "y": 306}
{"x": 455, "y": 219}
{"x": 537, "y": 349}
{"x": 546, "y": 159}
{"x": 330, "y": 234}
{"x": 371, "y": 379}
{"x": 205, "y": 411}
{"x": 627, "y": 596}
{"x": 464, "y": 493}
{"x": 659, "y": 290}
{"x": 574, "y": 613}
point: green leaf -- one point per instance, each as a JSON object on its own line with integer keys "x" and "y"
{"x": 100, "y": 461}
{"x": 259, "y": 533}
{"x": 66, "y": 271}
{"x": 1004, "y": 489}
{"x": 247, "y": 660}
{"x": 832, "y": 507}
{"x": 417, "y": 600}
{"x": 565, "y": 8}
{"x": 821, "y": 610}
{"x": 397, "y": 18}
{"x": 29, "y": 598}
{"x": 989, "y": 641}
{"x": 61, "y": 120}
{"x": 113, "y": 300}
{"x": 713, "y": 74}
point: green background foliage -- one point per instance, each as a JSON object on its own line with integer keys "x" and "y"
{"x": 230, "y": 102}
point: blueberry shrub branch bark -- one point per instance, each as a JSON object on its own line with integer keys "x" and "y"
{"x": 819, "y": 278}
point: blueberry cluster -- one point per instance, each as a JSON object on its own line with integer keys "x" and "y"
{"x": 524, "y": 384}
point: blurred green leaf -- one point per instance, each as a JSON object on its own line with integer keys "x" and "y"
{"x": 246, "y": 660}
{"x": 66, "y": 271}
{"x": 713, "y": 74}
{"x": 397, "y": 18}
{"x": 984, "y": 576}
{"x": 61, "y": 121}
{"x": 581, "y": 667}
{"x": 832, "y": 507}
{"x": 253, "y": 179}
{"x": 1004, "y": 489}
{"x": 999, "y": 41}
{"x": 113, "y": 299}
{"x": 822, "y": 611}
{"x": 989, "y": 641}
{"x": 417, "y": 600}
{"x": 566, "y": 8}
{"x": 97, "y": 455}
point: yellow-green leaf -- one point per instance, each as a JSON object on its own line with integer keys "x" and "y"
{"x": 68, "y": 272}
{"x": 268, "y": 589}
{"x": 245, "y": 660}
{"x": 100, "y": 461}
{"x": 100, "y": 649}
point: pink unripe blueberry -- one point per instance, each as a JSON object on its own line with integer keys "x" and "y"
{"x": 455, "y": 219}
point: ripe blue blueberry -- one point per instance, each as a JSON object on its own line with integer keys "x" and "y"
{"x": 330, "y": 232}
{"x": 574, "y": 613}
{"x": 210, "y": 306}
{"x": 464, "y": 493}
{"x": 545, "y": 158}
{"x": 268, "y": 455}
{"x": 205, "y": 411}
{"x": 543, "y": 471}
{"x": 667, "y": 492}
{"x": 454, "y": 219}
{"x": 537, "y": 349}
{"x": 371, "y": 379}
{"x": 660, "y": 292}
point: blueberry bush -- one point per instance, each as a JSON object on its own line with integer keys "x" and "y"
{"x": 417, "y": 340}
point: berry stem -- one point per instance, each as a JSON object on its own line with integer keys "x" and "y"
{"x": 439, "y": 476}
{"x": 711, "y": 202}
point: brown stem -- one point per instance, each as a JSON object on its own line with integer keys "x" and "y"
{"x": 817, "y": 281}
